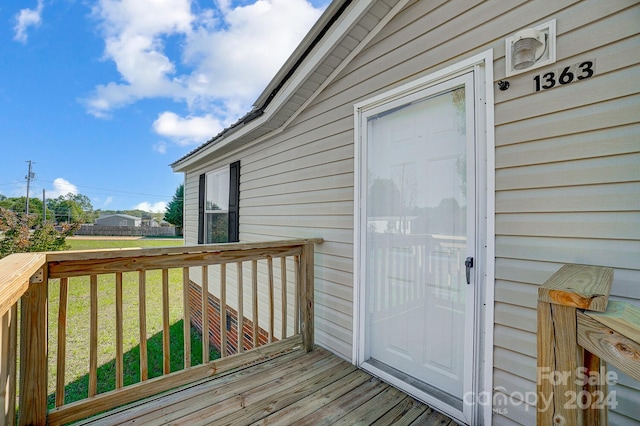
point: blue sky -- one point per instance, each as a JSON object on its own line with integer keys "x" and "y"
{"x": 102, "y": 95}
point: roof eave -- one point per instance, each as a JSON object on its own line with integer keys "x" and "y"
{"x": 266, "y": 120}
{"x": 317, "y": 32}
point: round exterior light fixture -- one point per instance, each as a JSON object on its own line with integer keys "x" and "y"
{"x": 531, "y": 48}
{"x": 528, "y": 47}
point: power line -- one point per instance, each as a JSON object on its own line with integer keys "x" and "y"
{"x": 114, "y": 190}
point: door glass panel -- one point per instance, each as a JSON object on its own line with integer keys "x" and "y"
{"x": 416, "y": 240}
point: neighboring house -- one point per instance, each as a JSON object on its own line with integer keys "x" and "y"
{"x": 416, "y": 109}
{"x": 118, "y": 220}
{"x": 151, "y": 223}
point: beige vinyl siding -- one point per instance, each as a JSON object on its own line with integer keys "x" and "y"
{"x": 567, "y": 186}
{"x": 300, "y": 184}
{"x": 567, "y": 165}
{"x": 191, "y": 209}
{"x": 628, "y": 409}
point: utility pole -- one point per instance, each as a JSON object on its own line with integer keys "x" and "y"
{"x": 44, "y": 207}
{"x": 30, "y": 175}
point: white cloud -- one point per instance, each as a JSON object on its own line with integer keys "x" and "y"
{"x": 27, "y": 18}
{"x": 160, "y": 147}
{"x": 187, "y": 130}
{"x": 61, "y": 187}
{"x": 108, "y": 201}
{"x": 224, "y": 57}
{"x": 134, "y": 41}
{"x": 158, "y": 207}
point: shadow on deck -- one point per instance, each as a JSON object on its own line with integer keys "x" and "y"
{"x": 315, "y": 388}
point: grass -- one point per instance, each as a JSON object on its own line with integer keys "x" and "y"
{"x": 90, "y": 244}
{"x": 77, "y": 355}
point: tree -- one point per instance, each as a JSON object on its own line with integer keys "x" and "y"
{"x": 19, "y": 205}
{"x": 174, "y": 211}
{"x": 21, "y": 233}
{"x": 71, "y": 208}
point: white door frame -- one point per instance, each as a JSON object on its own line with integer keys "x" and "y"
{"x": 482, "y": 66}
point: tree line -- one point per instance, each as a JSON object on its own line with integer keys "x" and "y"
{"x": 47, "y": 225}
{"x": 70, "y": 208}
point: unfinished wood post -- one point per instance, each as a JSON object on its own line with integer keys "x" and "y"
{"x": 595, "y": 415}
{"x": 62, "y": 341}
{"x": 8, "y": 357}
{"x": 33, "y": 352}
{"x": 142, "y": 314}
{"x": 283, "y": 296}
{"x": 186, "y": 318}
{"x": 271, "y": 299}
{"x": 557, "y": 365}
{"x": 240, "y": 340}
{"x": 166, "y": 344}
{"x": 307, "y": 289}
{"x": 254, "y": 307}
{"x": 573, "y": 287}
{"x": 205, "y": 314}
{"x": 223, "y": 310}
{"x": 119, "y": 333}
{"x": 93, "y": 335}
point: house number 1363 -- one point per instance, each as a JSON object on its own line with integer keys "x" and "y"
{"x": 564, "y": 76}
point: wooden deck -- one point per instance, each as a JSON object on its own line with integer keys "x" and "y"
{"x": 315, "y": 388}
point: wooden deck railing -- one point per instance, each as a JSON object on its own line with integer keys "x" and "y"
{"x": 25, "y": 278}
{"x": 579, "y": 332}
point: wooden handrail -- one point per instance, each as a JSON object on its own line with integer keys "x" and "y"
{"x": 15, "y": 272}
{"x": 579, "y": 330}
{"x": 26, "y": 277}
{"x": 70, "y": 255}
{"x": 613, "y": 335}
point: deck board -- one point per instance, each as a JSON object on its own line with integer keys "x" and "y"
{"x": 315, "y": 388}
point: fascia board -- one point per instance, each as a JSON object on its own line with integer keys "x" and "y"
{"x": 365, "y": 41}
{"x": 317, "y": 28}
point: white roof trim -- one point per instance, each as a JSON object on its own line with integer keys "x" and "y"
{"x": 394, "y": 11}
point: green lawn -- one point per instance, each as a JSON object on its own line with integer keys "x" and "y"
{"x": 77, "y": 359}
{"x": 90, "y": 244}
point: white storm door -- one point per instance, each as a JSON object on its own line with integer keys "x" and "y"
{"x": 418, "y": 226}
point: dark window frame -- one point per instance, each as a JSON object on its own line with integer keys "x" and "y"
{"x": 233, "y": 231}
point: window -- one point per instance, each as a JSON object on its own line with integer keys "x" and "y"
{"x": 218, "y": 205}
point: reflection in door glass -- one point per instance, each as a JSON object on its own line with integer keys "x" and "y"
{"x": 416, "y": 239}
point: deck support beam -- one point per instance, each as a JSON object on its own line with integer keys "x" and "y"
{"x": 572, "y": 288}
{"x": 33, "y": 353}
{"x": 307, "y": 297}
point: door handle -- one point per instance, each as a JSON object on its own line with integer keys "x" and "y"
{"x": 469, "y": 264}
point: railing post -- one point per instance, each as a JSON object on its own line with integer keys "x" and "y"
{"x": 559, "y": 356}
{"x": 307, "y": 289}
{"x": 33, "y": 352}
{"x": 8, "y": 356}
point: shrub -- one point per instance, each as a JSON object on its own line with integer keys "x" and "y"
{"x": 21, "y": 233}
